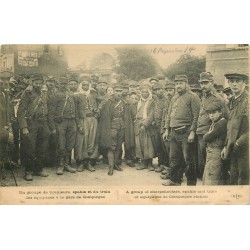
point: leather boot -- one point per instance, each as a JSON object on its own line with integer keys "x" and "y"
{"x": 117, "y": 158}
{"x": 67, "y": 166}
{"x": 28, "y": 176}
{"x": 79, "y": 166}
{"x": 88, "y": 166}
{"x": 111, "y": 160}
{"x": 60, "y": 168}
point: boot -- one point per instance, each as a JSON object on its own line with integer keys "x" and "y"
{"x": 60, "y": 169}
{"x": 92, "y": 162}
{"x": 111, "y": 160}
{"x": 117, "y": 161}
{"x": 143, "y": 165}
{"x": 79, "y": 166}
{"x": 150, "y": 165}
{"x": 28, "y": 176}
{"x": 67, "y": 166}
{"x": 159, "y": 169}
{"x": 88, "y": 166}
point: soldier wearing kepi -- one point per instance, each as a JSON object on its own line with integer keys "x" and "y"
{"x": 181, "y": 123}
{"x": 112, "y": 128}
{"x": 210, "y": 95}
{"x": 34, "y": 123}
{"x": 237, "y": 141}
{"x": 63, "y": 110}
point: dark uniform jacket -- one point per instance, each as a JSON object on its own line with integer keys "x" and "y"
{"x": 238, "y": 123}
{"x": 104, "y": 127}
{"x": 63, "y": 106}
{"x": 33, "y": 105}
{"x": 160, "y": 106}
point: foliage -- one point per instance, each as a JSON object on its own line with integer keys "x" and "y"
{"x": 188, "y": 65}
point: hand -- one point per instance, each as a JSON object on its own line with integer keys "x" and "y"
{"x": 191, "y": 137}
{"x": 53, "y": 131}
{"x": 223, "y": 153}
{"x": 165, "y": 135}
{"x": 81, "y": 130}
{"x": 11, "y": 138}
{"x": 25, "y": 131}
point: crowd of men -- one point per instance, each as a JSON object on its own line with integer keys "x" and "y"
{"x": 196, "y": 131}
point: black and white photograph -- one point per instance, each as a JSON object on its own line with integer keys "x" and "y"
{"x": 161, "y": 117}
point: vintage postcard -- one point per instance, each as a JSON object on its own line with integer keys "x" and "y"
{"x": 124, "y": 124}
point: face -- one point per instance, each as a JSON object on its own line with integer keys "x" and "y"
{"x": 170, "y": 92}
{"x": 206, "y": 86}
{"x": 93, "y": 84}
{"x": 237, "y": 85}
{"x": 180, "y": 86}
{"x": 110, "y": 91}
{"x": 228, "y": 96}
{"x": 50, "y": 84}
{"x": 125, "y": 92}
{"x": 214, "y": 115}
{"x": 144, "y": 93}
{"x": 72, "y": 85}
{"x": 85, "y": 86}
{"x": 118, "y": 94}
{"x": 102, "y": 87}
{"x": 133, "y": 98}
{"x": 63, "y": 86}
{"x": 159, "y": 92}
{"x": 5, "y": 83}
{"x": 37, "y": 84}
{"x": 44, "y": 89}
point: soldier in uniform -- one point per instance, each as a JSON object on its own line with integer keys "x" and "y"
{"x": 112, "y": 128}
{"x": 181, "y": 124}
{"x": 35, "y": 126}
{"x": 210, "y": 95}
{"x": 64, "y": 113}
{"x": 101, "y": 99}
{"x": 86, "y": 147}
{"x": 237, "y": 142}
{"x": 160, "y": 105}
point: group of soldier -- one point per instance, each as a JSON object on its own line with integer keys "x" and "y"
{"x": 192, "y": 131}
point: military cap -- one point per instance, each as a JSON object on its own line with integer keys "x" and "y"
{"x": 118, "y": 86}
{"x": 102, "y": 80}
{"x": 169, "y": 85}
{"x": 154, "y": 78}
{"x": 158, "y": 85}
{"x": 63, "y": 80}
{"x": 182, "y": 78}
{"x": 195, "y": 87}
{"x": 237, "y": 76}
{"x": 35, "y": 77}
{"x": 132, "y": 92}
{"x": 132, "y": 83}
{"x": 214, "y": 106}
{"x": 218, "y": 87}
{"x": 206, "y": 77}
{"x": 6, "y": 74}
{"x": 227, "y": 90}
{"x": 94, "y": 78}
{"x": 125, "y": 85}
{"x": 50, "y": 79}
{"x": 73, "y": 78}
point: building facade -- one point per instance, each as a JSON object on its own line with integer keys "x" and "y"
{"x": 33, "y": 58}
{"x": 225, "y": 58}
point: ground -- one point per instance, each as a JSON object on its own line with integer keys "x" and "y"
{"x": 128, "y": 177}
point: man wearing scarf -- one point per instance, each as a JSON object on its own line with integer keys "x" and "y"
{"x": 86, "y": 149}
{"x": 143, "y": 116}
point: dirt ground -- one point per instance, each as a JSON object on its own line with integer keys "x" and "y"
{"x": 128, "y": 177}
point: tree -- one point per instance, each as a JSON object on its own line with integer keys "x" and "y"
{"x": 136, "y": 64}
{"x": 188, "y": 65}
